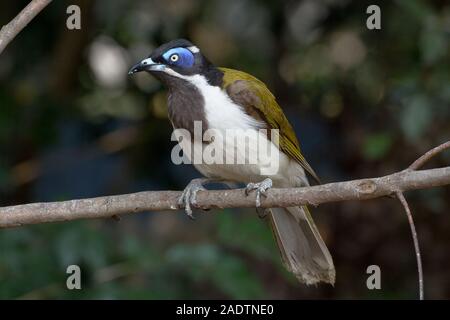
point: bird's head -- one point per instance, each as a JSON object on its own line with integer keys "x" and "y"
{"x": 178, "y": 59}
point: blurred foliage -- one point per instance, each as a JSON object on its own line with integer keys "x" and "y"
{"x": 363, "y": 103}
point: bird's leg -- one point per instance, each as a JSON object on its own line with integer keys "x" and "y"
{"x": 261, "y": 188}
{"x": 188, "y": 198}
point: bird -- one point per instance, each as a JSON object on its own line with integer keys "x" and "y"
{"x": 223, "y": 100}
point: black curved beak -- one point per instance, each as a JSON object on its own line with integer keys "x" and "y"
{"x": 146, "y": 65}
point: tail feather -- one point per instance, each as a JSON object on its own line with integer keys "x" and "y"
{"x": 302, "y": 248}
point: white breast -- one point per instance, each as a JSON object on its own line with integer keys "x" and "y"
{"x": 221, "y": 112}
{"x": 223, "y": 115}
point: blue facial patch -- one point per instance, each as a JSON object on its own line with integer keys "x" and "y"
{"x": 180, "y": 57}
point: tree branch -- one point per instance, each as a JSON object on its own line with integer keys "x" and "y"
{"x": 430, "y": 154}
{"x": 405, "y": 205}
{"x": 12, "y": 29}
{"x": 104, "y": 207}
{"x": 114, "y": 206}
{"x": 414, "y": 166}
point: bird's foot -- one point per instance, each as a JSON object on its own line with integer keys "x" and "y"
{"x": 261, "y": 188}
{"x": 188, "y": 198}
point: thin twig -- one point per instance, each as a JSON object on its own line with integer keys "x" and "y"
{"x": 11, "y": 30}
{"x": 427, "y": 156}
{"x": 402, "y": 199}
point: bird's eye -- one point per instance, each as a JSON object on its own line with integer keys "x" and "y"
{"x": 179, "y": 57}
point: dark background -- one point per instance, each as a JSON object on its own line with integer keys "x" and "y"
{"x": 364, "y": 103}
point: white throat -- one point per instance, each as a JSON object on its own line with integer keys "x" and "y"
{"x": 220, "y": 111}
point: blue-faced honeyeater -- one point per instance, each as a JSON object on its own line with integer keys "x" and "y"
{"x": 226, "y": 99}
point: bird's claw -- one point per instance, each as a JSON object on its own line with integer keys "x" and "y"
{"x": 188, "y": 198}
{"x": 260, "y": 187}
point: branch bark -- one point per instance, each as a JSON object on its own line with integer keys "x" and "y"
{"x": 109, "y": 206}
{"x": 12, "y": 29}
{"x": 427, "y": 156}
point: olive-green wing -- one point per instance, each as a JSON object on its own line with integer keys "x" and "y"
{"x": 259, "y": 102}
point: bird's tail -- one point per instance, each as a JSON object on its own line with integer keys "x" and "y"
{"x": 302, "y": 248}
